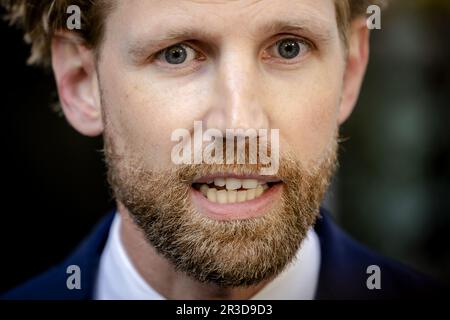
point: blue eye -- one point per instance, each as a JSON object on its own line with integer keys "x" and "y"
{"x": 289, "y": 48}
{"x": 176, "y": 54}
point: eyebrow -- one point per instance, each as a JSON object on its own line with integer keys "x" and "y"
{"x": 140, "y": 47}
{"x": 314, "y": 28}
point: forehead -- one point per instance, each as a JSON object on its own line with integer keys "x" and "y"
{"x": 138, "y": 18}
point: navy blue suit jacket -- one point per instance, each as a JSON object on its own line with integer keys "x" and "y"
{"x": 343, "y": 270}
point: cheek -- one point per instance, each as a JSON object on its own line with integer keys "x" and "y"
{"x": 144, "y": 114}
{"x": 308, "y": 113}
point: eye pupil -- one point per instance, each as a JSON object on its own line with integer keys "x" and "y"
{"x": 176, "y": 54}
{"x": 288, "y": 49}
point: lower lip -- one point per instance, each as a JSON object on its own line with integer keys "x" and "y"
{"x": 237, "y": 211}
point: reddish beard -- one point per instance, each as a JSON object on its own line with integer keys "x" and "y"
{"x": 228, "y": 253}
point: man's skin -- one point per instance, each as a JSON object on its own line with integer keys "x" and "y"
{"x": 233, "y": 78}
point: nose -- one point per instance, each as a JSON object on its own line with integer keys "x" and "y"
{"x": 239, "y": 98}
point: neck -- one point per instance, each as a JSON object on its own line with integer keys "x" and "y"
{"x": 161, "y": 275}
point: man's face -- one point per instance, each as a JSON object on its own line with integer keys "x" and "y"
{"x": 230, "y": 64}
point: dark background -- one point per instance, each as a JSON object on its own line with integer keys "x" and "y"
{"x": 53, "y": 179}
{"x": 392, "y": 190}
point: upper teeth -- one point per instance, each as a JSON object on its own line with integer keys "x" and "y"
{"x": 234, "y": 184}
{"x": 231, "y": 194}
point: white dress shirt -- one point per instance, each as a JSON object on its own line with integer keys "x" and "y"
{"x": 118, "y": 279}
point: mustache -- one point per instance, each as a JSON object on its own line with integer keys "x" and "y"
{"x": 190, "y": 173}
{"x": 230, "y": 150}
{"x": 290, "y": 168}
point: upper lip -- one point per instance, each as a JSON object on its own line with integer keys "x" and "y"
{"x": 262, "y": 178}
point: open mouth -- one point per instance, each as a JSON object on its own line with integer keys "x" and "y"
{"x": 236, "y": 197}
{"x": 232, "y": 189}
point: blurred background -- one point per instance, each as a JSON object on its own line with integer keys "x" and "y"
{"x": 393, "y": 188}
{"x": 391, "y": 193}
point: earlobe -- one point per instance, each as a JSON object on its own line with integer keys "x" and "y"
{"x": 76, "y": 77}
{"x": 356, "y": 64}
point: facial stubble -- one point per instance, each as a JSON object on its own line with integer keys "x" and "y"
{"x": 233, "y": 253}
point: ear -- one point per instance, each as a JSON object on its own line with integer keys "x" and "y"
{"x": 356, "y": 64}
{"x": 76, "y": 78}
